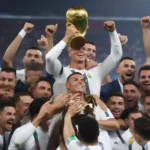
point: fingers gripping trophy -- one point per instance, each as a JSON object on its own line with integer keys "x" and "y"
{"x": 78, "y": 16}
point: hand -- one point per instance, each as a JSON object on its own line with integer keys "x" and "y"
{"x": 74, "y": 109}
{"x": 44, "y": 110}
{"x": 123, "y": 39}
{"x": 109, "y": 26}
{"x": 28, "y": 27}
{"x": 43, "y": 43}
{"x": 145, "y": 22}
{"x": 74, "y": 98}
{"x": 90, "y": 63}
{"x": 50, "y": 30}
{"x": 70, "y": 32}
{"x": 61, "y": 100}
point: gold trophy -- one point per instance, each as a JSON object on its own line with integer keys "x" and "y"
{"x": 78, "y": 16}
{"x": 88, "y": 105}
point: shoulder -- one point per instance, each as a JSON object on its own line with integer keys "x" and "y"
{"x": 110, "y": 84}
{"x": 73, "y": 143}
{"x": 22, "y": 71}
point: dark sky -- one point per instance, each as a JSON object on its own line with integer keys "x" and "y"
{"x": 123, "y": 8}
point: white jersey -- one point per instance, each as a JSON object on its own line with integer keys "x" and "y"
{"x": 95, "y": 75}
{"x": 73, "y": 143}
{"x": 118, "y": 143}
{"x": 23, "y": 139}
{"x": 136, "y": 146}
{"x": 2, "y": 139}
{"x": 20, "y": 75}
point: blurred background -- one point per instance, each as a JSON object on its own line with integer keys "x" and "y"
{"x": 126, "y": 14}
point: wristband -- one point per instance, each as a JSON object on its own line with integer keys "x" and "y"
{"x": 22, "y": 33}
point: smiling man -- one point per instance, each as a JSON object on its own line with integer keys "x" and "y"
{"x": 94, "y": 76}
{"x": 126, "y": 72}
{"x": 7, "y": 118}
{"x": 131, "y": 92}
{"x": 76, "y": 85}
{"x": 116, "y": 104}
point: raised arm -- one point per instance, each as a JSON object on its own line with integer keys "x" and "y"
{"x": 116, "y": 50}
{"x": 53, "y": 65}
{"x": 68, "y": 130}
{"x": 145, "y": 23}
{"x": 50, "y": 30}
{"x": 107, "y": 121}
{"x": 20, "y": 136}
{"x": 13, "y": 47}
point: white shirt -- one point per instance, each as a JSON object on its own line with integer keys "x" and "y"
{"x": 136, "y": 146}
{"x": 95, "y": 75}
{"x": 2, "y": 139}
{"x": 126, "y": 137}
{"x": 147, "y": 146}
{"x": 23, "y": 138}
{"x": 20, "y": 75}
{"x": 121, "y": 86}
{"x": 73, "y": 143}
{"x": 103, "y": 136}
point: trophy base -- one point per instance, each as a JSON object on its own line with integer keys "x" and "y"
{"x": 77, "y": 42}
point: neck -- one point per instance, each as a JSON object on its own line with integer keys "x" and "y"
{"x": 121, "y": 80}
{"x": 81, "y": 95}
{"x": 79, "y": 66}
{"x": 144, "y": 142}
{"x": 131, "y": 130}
{"x": 90, "y": 144}
{"x": 133, "y": 108}
{"x": 18, "y": 119}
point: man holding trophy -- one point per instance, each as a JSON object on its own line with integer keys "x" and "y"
{"x": 94, "y": 76}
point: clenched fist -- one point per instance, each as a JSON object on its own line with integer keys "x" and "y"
{"x": 28, "y": 27}
{"x": 145, "y": 22}
{"x": 43, "y": 43}
{"x": 109, "y": 26}
{"x": 50, "y": 30}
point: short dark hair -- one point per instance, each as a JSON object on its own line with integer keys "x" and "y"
{"x": 46, "y": 80}
{"x": 34, "y": 48}
{"x": 146, "y": 95}
{"x": 6, "y": 102}
{"x": 9, "y": 70}
{"x": 142, "y": 127}
{"x": 89, "y": 42}
{"x": 118, "y": 94}
{"x": 134, "y": 112}
{"x": 124, "y": 58}
{"x": 88, "y": 129}
{"x": 42, "y": 79}
{"x": 18, "y": 95}
{"x": 36, "y": 105}
{"x": 34, "y": 66}
{"x": 133, "y": 83}
{"x": 145, "y": 67}
{"x": 72, "y": 75}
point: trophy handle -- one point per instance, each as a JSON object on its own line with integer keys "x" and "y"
{"x": 77, "y": 42}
